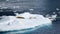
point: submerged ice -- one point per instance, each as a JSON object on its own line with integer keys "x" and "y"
{"x": 23, "y": 21}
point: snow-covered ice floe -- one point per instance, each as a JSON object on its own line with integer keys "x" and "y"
{"x": 23, "y": 21}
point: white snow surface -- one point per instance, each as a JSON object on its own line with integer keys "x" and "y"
{"x": 12, "y": 23}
